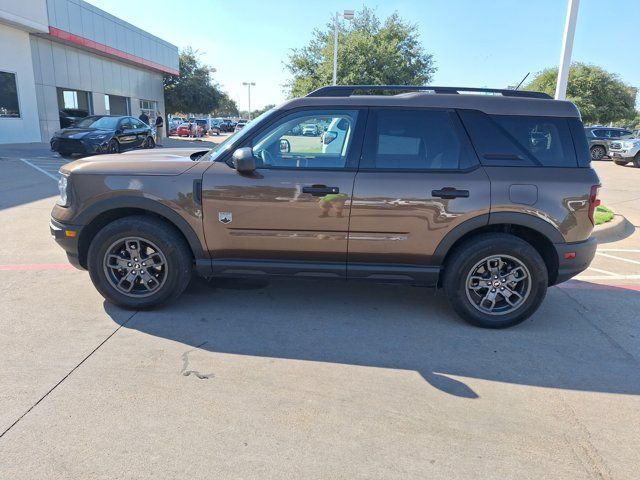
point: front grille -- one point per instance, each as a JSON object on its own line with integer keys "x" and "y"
{"x": 69, "y": 144}
{"x": 616, "y": 145}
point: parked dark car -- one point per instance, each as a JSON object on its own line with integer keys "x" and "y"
{"x": 69, "y": 116}
{"x": 102, "y": 134}
{"x": 489, "y": 197}
{"x": 600, "y": 139}
{"x": 227, "y": 125}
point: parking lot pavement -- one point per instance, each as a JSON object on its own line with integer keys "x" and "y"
{"x": 290, "y": 379}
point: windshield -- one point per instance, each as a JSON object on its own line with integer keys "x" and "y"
{"x": 213, "y": 154}
{"x": 101, "y": 123}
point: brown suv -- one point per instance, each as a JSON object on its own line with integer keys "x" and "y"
{"x": 489, "y": 195}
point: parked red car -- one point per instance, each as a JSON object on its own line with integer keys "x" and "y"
{"x": 184, "y": 130}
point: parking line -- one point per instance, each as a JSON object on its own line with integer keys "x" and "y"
{"x": 602, "y": 271}
{"x": 630, "y": 250}
{"x": 618, "y": 258}
{"x": 607, "y": 277}
{"x": 50, "y": 175}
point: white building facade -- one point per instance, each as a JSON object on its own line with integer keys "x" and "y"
{"x": 64, "y": 56}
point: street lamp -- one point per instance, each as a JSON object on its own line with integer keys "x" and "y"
{"x": 347, "y": 15}
{"x": 567, "y": 46}
{"x": 249, "y": 85}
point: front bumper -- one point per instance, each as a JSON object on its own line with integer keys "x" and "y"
{"x": 68, "y": 237}
{"x": 574, "y": 258}
{"x": 86, "y": 146}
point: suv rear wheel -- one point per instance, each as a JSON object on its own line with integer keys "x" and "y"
{"x": 139, "y": 262}
{"x": 495, "y": 280}
{"x": 597, "y": 152}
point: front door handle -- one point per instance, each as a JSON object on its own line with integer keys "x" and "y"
{"x": 449, "y": 193}
{"x": 320, "y": 190}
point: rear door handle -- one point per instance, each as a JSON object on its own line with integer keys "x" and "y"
{"x": 320, "y": 190}
{"x": 449, "y": 193}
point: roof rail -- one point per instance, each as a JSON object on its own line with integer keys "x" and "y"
{"x": 347, "y": 90}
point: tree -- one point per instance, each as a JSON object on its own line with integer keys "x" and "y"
{"x": 258, "y": 112}
{"x": 226, "y": 107}
{"x": 601, "y": 96}
{"x": 193, "y": 91}
{"x": 369, "y": 52}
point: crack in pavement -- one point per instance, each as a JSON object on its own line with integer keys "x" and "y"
{"x": 185, "y": 365}
{"x": 585, "y": 314}
{"x": 67, "y": 375}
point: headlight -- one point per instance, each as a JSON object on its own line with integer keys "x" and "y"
{"x": 99, "y": 136}
{"x": 630, "y": 143}
{"x": 63, "y": 184}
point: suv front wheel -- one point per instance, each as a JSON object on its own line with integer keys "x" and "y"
{"x": 495, "y": 280}
{"x": 139, "y": 262}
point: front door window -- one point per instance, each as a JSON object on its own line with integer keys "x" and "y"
{"x": 316, "y": 140}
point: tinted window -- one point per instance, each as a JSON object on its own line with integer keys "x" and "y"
{"x": 514, "y": 140}
{"x": 414, "y": 140}
{"x": 8, "y": 95}
{"x": 102, "y": 123}
{"x": 125, "y": 123}
{"x": 290, "y": 143}
{"x": 138, "y": 123}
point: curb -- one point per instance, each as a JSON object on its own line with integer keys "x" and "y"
{"x": 616, "y": 229}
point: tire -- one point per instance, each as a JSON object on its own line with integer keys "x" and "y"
{"x": 65, "y": 154}
{"x": 636, "y": 160}
{"x": 461, "y": 270}
{"x": 598, "y": 152}
{"x": 164, "y": 283}
{"x": 113, "y": 147}
{"x": 149, "y": 143}
{"x": 622, "y": 163}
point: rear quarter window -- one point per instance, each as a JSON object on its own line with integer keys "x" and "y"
{"x": 516, "y": 140}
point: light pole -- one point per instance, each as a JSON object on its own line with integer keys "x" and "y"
{"x": 567, "y": 46}
{"x": 347, "y": 15}
{"x": 249, "y": 85}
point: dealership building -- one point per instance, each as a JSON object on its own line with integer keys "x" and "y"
{"x": 61, "y": 56}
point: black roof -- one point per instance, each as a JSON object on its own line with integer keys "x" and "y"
{"x": 491, "y": 101}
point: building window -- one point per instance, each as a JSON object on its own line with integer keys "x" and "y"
{"x": 116, "y": 105}
{"x": 9, "y": 95}
{"x": 150, "y": 107}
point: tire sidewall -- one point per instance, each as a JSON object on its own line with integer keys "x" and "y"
{"x": 469, "y": 254}
{"x": 160, "y": 234}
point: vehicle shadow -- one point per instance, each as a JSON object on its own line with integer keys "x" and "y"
{"x": 399, "y": 327}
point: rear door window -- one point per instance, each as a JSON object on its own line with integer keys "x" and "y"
{"x": 419, "y": 139}
{"x": 514, "y": 140}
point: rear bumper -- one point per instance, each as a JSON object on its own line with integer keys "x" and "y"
{"x": 569, "y": 265}
{"x": 67, "y": 236}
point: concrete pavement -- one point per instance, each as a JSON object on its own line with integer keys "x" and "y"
{"x": 292, "y": 379}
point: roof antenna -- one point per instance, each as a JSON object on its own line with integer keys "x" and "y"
{"x": 523, "y": 79}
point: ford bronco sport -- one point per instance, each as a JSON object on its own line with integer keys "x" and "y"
{"x": 486, "y": 193}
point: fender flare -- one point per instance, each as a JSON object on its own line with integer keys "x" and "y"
{"x": 142, "y": 203}
{"x": 512, "y": 218}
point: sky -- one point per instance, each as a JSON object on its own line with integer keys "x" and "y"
{"x": 475, "y": 43}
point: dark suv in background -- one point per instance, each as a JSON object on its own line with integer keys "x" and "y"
{"x": 490, "y": 196}
{"x": 600, "y": 139}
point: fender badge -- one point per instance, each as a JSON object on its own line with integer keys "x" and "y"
{"x": 225, "y": 217}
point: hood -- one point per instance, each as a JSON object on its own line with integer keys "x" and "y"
{"x": 77, "y": 133}
{"x": 161, "y": 161}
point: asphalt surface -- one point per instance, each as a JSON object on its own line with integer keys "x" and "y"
{"x": 289, "y": 379}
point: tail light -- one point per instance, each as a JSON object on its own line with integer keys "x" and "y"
{"x": 329, "y": 137}
{"x": 594, "y": 201}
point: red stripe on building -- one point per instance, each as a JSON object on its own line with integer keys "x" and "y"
{"x": 100, "y": 47}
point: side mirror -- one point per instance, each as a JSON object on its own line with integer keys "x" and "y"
{"x": 243, "y": 160}
{"x": 285, "y": 146}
